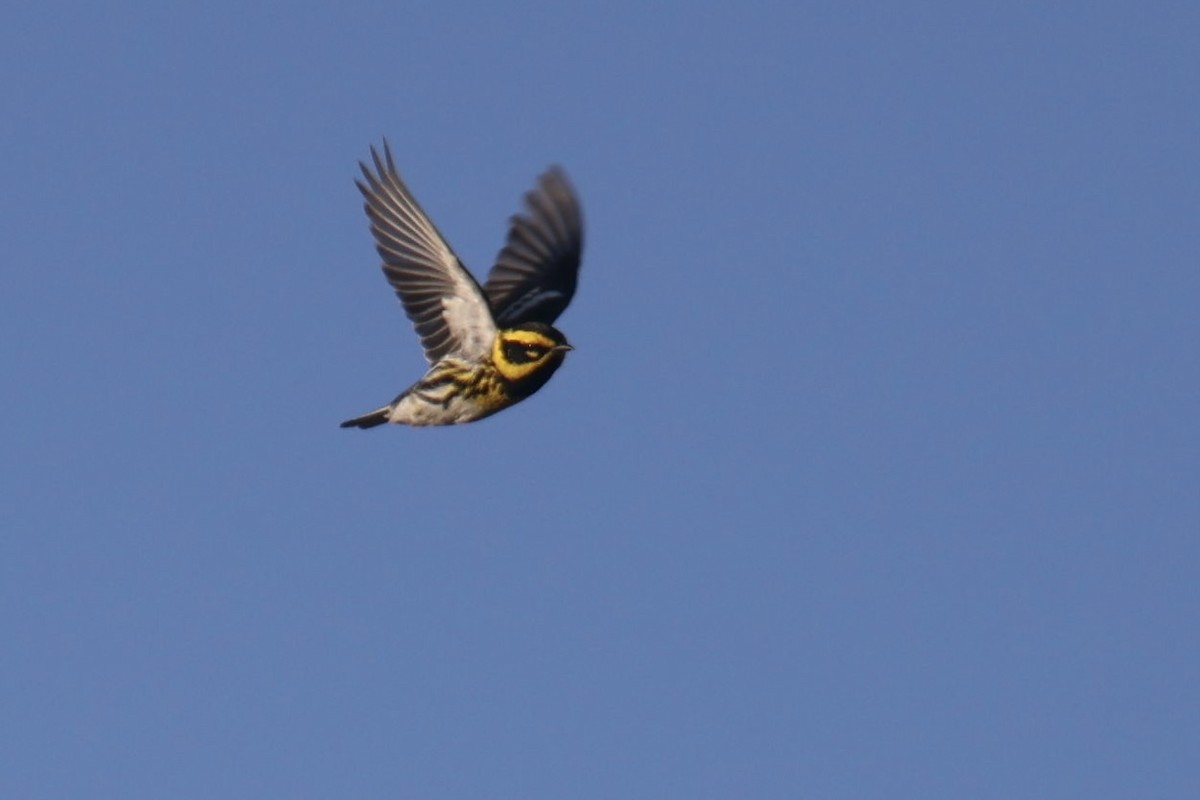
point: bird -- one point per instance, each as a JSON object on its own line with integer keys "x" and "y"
{"x": 488, "y": 347}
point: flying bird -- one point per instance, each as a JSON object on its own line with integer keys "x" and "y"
{"x": 491, "y": 346}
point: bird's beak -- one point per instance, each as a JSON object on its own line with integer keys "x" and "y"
{"x": 564, "y": 347}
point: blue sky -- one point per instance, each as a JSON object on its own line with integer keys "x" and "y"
{"x": 873, "y": 474}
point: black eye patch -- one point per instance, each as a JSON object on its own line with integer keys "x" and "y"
{"x": 520, "y": 353}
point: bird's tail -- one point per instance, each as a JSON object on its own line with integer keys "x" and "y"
{"x": 377, "y": 417}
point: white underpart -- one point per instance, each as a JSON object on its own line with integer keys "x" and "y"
{"x": 426, "y": 409}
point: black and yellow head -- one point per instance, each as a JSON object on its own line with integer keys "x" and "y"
{"x": 528, "y": 354}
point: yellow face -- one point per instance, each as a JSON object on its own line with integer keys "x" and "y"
{"x": 519, "y": 353}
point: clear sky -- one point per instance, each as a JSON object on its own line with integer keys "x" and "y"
{"x": 875, "y": 472}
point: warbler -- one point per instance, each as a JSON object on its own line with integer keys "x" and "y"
{"x": 488, "y": 347}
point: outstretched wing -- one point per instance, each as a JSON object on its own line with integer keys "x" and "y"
{"x": 535, "y": 274}
{"x": 445, "y": 303}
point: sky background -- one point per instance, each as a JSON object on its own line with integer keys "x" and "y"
{"x": 874, "y": 473}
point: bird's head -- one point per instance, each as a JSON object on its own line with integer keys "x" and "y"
{"x": 529, "y": 353}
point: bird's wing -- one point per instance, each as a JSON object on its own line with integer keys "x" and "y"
{"x": 444, "y": 302}
{"x": 535, "y": 274}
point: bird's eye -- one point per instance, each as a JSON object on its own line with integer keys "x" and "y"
{"x": 523, "y": 352}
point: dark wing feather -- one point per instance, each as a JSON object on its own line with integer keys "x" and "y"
{"x": 446, "y": 305}
{"x": 535, "y": 274}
